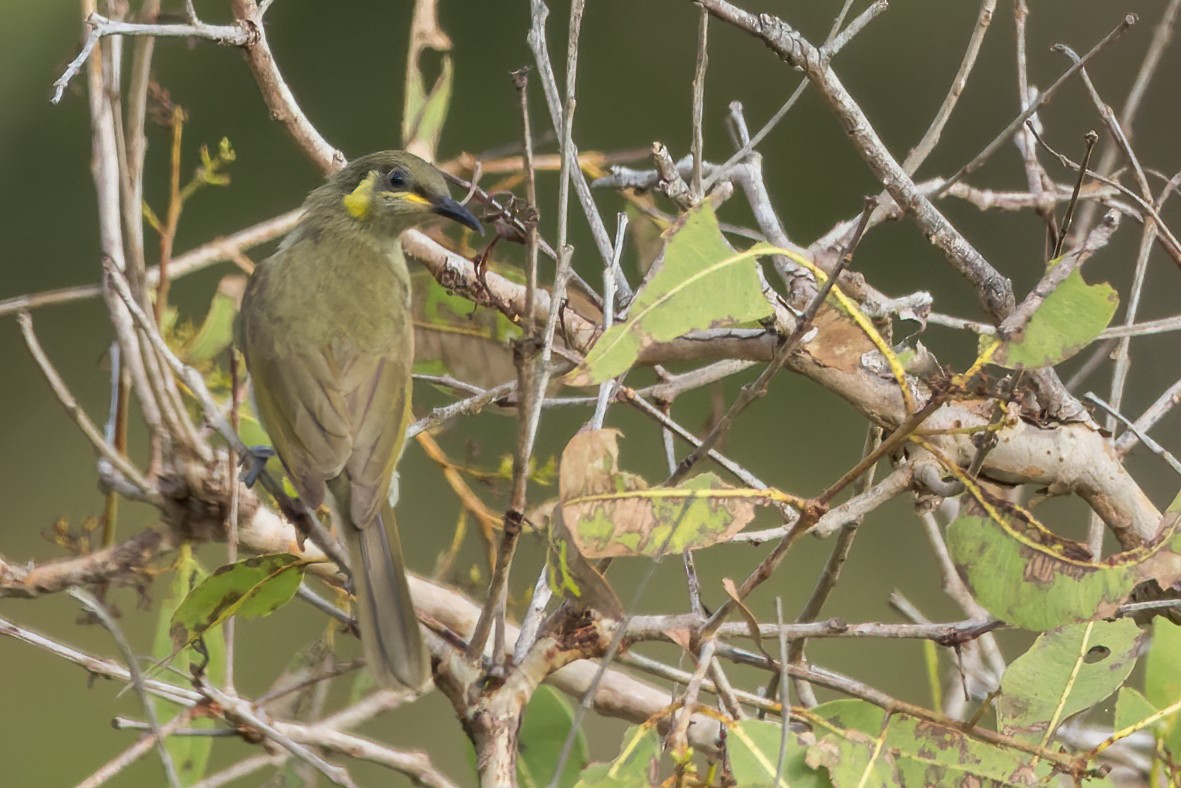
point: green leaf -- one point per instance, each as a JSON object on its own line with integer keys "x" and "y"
{"x": 610, "y": 513}
{"x": 700, "y": 283}
{"x": 1131, "y": 707}
{"x": 1066, "y": 671}
{"x": 1033, "y": 579}
{"x": 1068, "y": 320}
{"x": 641, "y": 749}
{"x": 1162, "y": 666}
{"x": 854, "y": 759}
{"x": 217, "y": 329}
{"x": 547, "y": 722}
{"x": 911, "y": 751}
{"x": 255, "y": 587}
{"x": 753, "y": 747}
{"x": 454, "y": 337}
{"x": 1162, "y": 676}
{"x": 190, "y": 754}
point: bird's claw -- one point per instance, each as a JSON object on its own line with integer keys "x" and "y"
{"x": 255, "y": 463}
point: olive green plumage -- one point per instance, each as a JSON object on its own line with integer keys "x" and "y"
{"x": 327, "y": 335}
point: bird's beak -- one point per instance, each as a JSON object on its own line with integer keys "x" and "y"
{"x": 445, "y": 206}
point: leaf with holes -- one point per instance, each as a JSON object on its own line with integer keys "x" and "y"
{"x": 1068, "y": 320}
{"x": 612, "y": 513}
{"x": 700, "y": 282}
{"x": 1066, "y": 671}
{"x": 1033, "y": 579}
{"x": 906, "y": 750}
{"x": 257, "y": 586}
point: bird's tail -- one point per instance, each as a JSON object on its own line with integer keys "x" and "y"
{"x": 393, "y": 643}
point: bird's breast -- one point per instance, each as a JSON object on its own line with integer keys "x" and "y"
{"x": 344, "y": 298}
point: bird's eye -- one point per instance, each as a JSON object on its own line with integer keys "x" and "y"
{"x": 397, "y": 179}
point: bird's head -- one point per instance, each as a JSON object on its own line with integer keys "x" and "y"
{"x": 388, "y": 192}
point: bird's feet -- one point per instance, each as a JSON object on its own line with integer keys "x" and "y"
{"x": 255, "y": 463}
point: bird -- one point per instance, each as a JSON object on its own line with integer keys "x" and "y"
{"x": 326, "y": 332}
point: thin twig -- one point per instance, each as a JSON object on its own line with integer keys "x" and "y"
{"x": 242, "y": 712}
{"x": 549, "y": 85}
{"x": 1168, "y": 240}
{"x": 993, "y": 291}
{"x": 99, "y": 611}
{"x": 1161, "y": 36}
{"x": 1148, "y": 442}
{"x": 837, "y": 556}
{"x": 105, "y": 450}
{"x": 838, "y": 41}
{"x": 1019, "y": 121}
{"x": 101, "y": 27}
{"x": 955, "y": 588}
{"x": 919, "y": 153}
{"x": 140, "y": 747}
{"x": 831, "y": 47}
{"x": 697, "y": 147}
{"x": 1160, "y": 408}
{"x": 607, "y": 388}
{"x": 198, "y": 259}
{"x": 276, "y": 93}
{"x": 1090, "y": 138}
{"x": 784, "y": 698}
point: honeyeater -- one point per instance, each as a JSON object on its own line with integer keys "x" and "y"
{"x": 327, "y": 335}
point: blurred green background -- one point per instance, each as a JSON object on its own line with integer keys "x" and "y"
{"x": 345, "y": 63}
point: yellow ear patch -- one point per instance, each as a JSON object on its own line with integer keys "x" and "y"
{"x": 359, "y": 201}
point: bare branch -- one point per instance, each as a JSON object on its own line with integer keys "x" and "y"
{"x": 275, "y": 92}
{"x": 101, "y": 27}
{"x": 92, "y": 433}
{"x": 993, "y": 291}
{"x": 99, "y": 611}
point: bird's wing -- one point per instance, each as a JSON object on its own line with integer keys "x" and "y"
{"x": 376, "y": 392}
{"x": 311, "y": 433}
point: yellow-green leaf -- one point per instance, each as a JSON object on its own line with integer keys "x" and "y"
{"x": 253, "y": 587}
{"x": 217, "y": 329}
{"x": 700, "y": 282}
{"x": 1066, "y": 322}
{"x": 190, "y": 754}
{"x": 571, "y": 576}
{"x": 1032, "y": 579}
{"x": 630, "y": 769}
{"x": 453, "y": 337}
{"x": 547, "y": 722}
{"x": 754, "y": 745}
{"x": 1066, "y": 671}
{"x": 862, "y": 748}
{"x": 611, "y": 513}
{"x": 1162, "y": 676}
